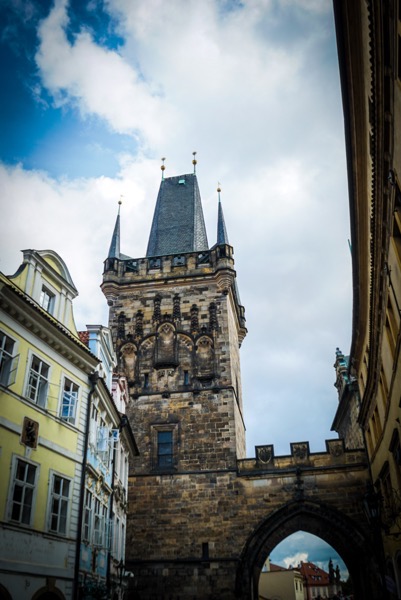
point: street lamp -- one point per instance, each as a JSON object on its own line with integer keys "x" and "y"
{"x": 120, "y": 568}
{"x": 125, "y": 577}
{"x": 372, "y": 507}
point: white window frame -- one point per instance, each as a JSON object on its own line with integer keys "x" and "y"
{"x": 8, "y": 360}
{"x": 69, "y": 400}
{"x": 100, "y": 523}
{"x": 93, "y": 423}
{"x": 116, "y": 538}
{"x": 87, "y": 516}
{"x": 41, "y": 387}
{"x": 47, "y": 299}
{"x": 28, "y": 488}
{"x": 62, "y": 501}
{"x": 104, "y": 442}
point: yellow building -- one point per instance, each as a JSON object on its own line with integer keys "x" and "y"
{"x": 278, "y": 583}
{"x": 44, "y": 386}
{"x": 369, "y": 50}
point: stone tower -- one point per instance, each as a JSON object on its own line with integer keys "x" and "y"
{"x": 178, "y": 324}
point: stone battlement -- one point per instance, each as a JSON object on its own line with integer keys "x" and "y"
{"x": 335, "y": 456}
{"x": 175, "y": 265}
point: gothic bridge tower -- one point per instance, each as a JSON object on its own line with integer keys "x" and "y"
{"x": 178, "y": 324}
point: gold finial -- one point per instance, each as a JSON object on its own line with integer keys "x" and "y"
{"x": 120, "y": 202}
{"x": 163, "y": 167}
{"x": 219, "y": 189}
{"x": 194, "y": 161}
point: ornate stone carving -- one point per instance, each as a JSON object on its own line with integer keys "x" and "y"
{"x": 139, "y": 324}
{"x": 157, "y": 315}
{"x": 300, "y": 451}
{"x": 194, "y": 319}
{"x": 176, "y": 309}
{"x": 205, "y": 360}
{"x": 121, "y": 326}
{"x": 166, "y": 346}
{"x": 265, "y": 454}
{"x": 335, "y": 447}
{"x": 128, "y": 355}
{"x": 213, "y": 316}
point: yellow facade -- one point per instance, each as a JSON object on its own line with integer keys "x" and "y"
{"x": 44, "y": 391}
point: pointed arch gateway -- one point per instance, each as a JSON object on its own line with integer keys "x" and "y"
{"x": 335, "y": 528}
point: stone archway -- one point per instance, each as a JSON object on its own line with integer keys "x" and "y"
{"x": 4, "y": 594}
{"x": 338, "y": 530}
{"x": 48, "y": 593}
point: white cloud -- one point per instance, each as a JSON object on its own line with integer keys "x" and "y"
{"x": 265, "y": 118}
{"x": 293, "y": 561}
{"x": 98, "y": 81}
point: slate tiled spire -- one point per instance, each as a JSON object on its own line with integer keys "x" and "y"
{"x": 114, "y": 251}
{"x": 178, "y": 225}
{"x": 222, "y": 237}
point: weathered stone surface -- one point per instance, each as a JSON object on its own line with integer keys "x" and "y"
{"x": 202, "y": 525}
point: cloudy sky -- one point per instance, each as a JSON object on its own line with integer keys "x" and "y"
{"x": 95, "y": 92}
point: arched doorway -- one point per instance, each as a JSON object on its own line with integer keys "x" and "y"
{"x": 47, "y": 593}
{"x": 345, "y": 536}
{"x": 4, "y": 595}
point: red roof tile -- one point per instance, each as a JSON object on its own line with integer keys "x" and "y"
{"x": 84, "y": 337}
{"x": 314, "y": 575}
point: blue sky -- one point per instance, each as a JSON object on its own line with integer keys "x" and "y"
{"x": 95, "y": 92}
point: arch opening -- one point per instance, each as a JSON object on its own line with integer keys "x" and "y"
{"x": 304, "y": 566}
{"x": 351, "y": 543}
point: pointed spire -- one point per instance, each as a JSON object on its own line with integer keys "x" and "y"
{"x": 178, "y": 225}
{"x": 114, "y": 251}
{"x": 222, "y": 237}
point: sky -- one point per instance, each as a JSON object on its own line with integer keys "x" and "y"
{"x": 95, "y": 92}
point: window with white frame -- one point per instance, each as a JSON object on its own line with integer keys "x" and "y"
{"x": 116, "y": 538}
{"x": 87, "y": 517}
{"x": 38, "y": 382}
{"x": 8, "y": 362}
{"x": 93, "y": 426}
{"x": 23, "y": 492}
{"x": 104, "y": 441}
{"x": 99, "y": 523}
{"x": 121, "y": 464}
{"x": 59, "y": 503}
{"x": 69, "y": 401}
{"x": 47, "y": 299}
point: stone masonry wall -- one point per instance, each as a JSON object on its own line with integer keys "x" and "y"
{"x": 198, "y": 524}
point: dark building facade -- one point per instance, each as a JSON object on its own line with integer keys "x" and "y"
{"x": 369, "y": 50}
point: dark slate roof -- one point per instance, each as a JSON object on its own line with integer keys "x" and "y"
{"x": 222, "y": 237}
{"x": 114, "y": 251}
{"x": 178, "y": 225}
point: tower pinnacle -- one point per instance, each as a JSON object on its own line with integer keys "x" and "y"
{"x": 222, "y": 237}
{"x": 114, "y": 251}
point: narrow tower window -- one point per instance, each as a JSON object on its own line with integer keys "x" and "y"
{"x": 164, "y": 448}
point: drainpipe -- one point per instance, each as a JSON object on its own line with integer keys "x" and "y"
{"x": 93, "y": 378}
{"x": 113, "y": 468}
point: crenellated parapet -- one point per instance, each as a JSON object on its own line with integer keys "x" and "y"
{"x": 155, "y": 268}
{"x": 335, "y": 456}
